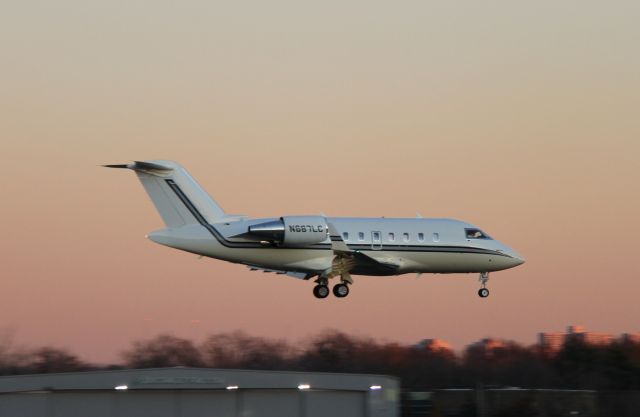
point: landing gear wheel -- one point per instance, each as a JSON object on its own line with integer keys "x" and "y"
{"x": 483, "y": 292}
{"x": 321, "y": 291}
{"x": 341, "y": 290}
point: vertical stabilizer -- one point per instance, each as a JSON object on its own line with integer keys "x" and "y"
{"x": 171, "y": 189}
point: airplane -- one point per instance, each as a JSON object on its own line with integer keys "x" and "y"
{"x": 315, "y": 246}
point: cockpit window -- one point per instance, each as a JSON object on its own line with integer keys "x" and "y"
{"x": 476, "y": 234}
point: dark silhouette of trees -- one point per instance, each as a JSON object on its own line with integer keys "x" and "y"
{"x": 49, "y": 360}
{"x": 489, "y": 363}
{"x": 333, "y": 351}
{"x": 504, "y": 363}
{"x": 428, "y": 369}
{"x": 239, "y": 350}
{"x": 161, "y": 351}
{"x": 611, "y": 367}
{"x": 16, "y": 360}
{"x": 12, "y": 359}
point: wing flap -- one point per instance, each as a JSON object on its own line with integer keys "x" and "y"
{"x": 298, "y": 275}
{"x": 365, "y": 261}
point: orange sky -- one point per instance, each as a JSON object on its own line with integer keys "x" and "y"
{"x": 519, "y": 118}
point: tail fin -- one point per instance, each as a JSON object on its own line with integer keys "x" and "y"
{"x": 178, "y": 197}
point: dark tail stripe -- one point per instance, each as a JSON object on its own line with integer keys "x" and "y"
{"x": 200, "y": 219}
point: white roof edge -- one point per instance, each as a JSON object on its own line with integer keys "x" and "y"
{"x": 177, "y": 368}
{"x": 190, "y": 378}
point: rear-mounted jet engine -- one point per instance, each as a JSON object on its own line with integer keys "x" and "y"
{"x": 292, "y": 230}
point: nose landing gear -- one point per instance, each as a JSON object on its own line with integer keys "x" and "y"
{"x": 484, "y": 291}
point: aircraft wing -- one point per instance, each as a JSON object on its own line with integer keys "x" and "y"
{"x": 366, "y": 265}
{"x": 358, "y": 262}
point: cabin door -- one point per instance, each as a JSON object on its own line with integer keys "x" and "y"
{"x": 376, "y": 240}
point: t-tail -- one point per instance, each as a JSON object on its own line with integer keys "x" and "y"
{"x": 172, "y": 190}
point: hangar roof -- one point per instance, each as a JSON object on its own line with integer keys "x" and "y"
{"x": 192, "y": 378}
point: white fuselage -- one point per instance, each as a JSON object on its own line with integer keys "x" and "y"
{"x": 414, "y": 245}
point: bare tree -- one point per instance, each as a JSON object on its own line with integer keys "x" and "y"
{"x": 335, "y": 351}
{"x": 51, "y": 359}
{"x": 12, "y": 359}
{"x": 239, "y": 350}
{"x": 163, "y": 350}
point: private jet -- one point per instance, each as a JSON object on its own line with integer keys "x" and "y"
{"x": 315, "y": 246}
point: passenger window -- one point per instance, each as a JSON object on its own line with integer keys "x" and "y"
{"x": 436, "y": 237}
{"x": 392, "y": 237}
{"x": 376, "y": 236}
{"x": 476, "y": 234}
{"x": 360, "y": 236}
{"x": 345, "y": 236}
{"x": 405, "y": 237}
{"x": 420, "y": 237}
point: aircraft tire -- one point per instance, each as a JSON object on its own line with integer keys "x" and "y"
{"x": 483, "y": 292}
{"x": 321, "y": 291}
{"x": 341, "y": 290}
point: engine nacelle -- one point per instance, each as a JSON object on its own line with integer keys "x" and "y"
{"x": 304, "y": 230}
{"x": 293, "y": 230}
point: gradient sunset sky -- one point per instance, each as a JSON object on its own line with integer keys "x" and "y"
{"x": 520, "y": 117}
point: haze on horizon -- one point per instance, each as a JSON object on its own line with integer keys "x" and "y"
{"x": 519, "y": 118}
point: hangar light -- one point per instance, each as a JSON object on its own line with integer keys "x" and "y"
{"x": 121, "y": 388}
{"x": 304, "y": 386}
{"x": 230, "y": 387}
{"x": 375, "y": 387}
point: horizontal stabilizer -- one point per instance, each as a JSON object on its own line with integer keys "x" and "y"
{"x": 116, "y": 166}
{"x": 142, "y": 166}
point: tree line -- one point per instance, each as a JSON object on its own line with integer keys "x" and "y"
{"x": 577, "y": 365}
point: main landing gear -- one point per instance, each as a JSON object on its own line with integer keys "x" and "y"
{"x": 340, "y": 290}
{"x": 321, "y": 291}
{"x": 484, "y": 291}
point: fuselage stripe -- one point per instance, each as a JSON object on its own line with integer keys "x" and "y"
{"x": 320, "y": 246}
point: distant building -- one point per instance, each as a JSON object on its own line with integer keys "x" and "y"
{"x": 488, "y": 347}
{"x": 553, "y": 342}
{"x": 579, "y": 333}
{"x": 489, "y": 344}
{"x": 434, "y": 345}
{"x": 630, "y": 337}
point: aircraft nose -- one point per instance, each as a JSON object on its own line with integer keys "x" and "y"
{"x": 516, "y": 258}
